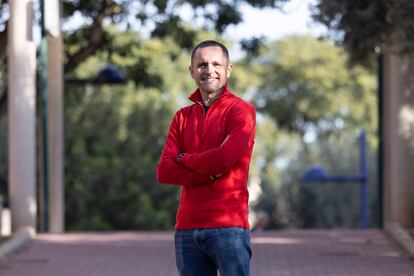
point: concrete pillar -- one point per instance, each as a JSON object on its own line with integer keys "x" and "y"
{"x": 21, "y": 109}
{"x": 398, "y": 138}
{"x": 55, "y": 133}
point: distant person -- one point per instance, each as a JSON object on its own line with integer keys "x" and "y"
{"x": 207, "y": 152}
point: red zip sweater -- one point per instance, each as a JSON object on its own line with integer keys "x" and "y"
{"x": 217, "y": 142}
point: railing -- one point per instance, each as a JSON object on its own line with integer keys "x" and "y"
{"x": 317, "y": 173}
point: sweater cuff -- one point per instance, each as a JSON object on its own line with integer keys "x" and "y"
{"x": 183, "y": 159}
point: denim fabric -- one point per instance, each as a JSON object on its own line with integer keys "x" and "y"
{"x": 202, "y": 252}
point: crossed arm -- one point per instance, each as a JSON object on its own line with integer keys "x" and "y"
{"x": 168, "y": 169}
{"x": 219, "y": 160}
{"x": 194, "y": 169}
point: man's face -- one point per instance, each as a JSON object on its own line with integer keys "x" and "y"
{"x": 210, "y": 69}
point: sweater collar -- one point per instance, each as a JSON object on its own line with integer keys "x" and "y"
{"x": 196, "y": 96}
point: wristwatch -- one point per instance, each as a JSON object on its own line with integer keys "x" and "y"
{"x": 180, "y": 155}
{"x": 213, "y": 177}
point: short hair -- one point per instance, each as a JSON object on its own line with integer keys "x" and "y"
{"x": 210, "y": 43}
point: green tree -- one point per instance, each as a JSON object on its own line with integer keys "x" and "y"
{"x": 114, "y": 136}
{"x": 365, "y": 26}
{"x": 312, "y": 105}
{"x": 160, "y": 17}
{"x": 291, "y": 203}
{"x": 110, "y": 158}
{"x": 306, "y": 86}
{"x": 163, "y": 16}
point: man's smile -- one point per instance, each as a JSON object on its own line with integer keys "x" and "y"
{"x": 209, "y": 79}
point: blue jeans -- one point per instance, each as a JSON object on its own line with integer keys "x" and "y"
{"x": 204, "y": 251}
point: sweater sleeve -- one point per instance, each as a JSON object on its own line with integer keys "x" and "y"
{"x": 168, "y": 170}
{"x": 220, "y": 159}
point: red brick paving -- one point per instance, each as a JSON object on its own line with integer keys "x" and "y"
{"x": 281, "y": 253}
{"x": 322, "y": 252}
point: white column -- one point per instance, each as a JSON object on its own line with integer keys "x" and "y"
{"x": 55, "y": 134}
{"x": 21, "y": 115}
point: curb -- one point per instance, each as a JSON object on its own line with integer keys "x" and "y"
{"x": 402, "y": 237}
{"x": 16, "y": 241}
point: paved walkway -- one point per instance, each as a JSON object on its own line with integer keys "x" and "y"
{"x": 293, "y": 252}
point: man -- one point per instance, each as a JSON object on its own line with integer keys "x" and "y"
{"x": 207, "y": 152}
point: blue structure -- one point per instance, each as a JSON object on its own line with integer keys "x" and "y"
{"x": 317, "y": 173}
{"x": 111, "y": 74}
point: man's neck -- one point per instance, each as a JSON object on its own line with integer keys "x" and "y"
{"x": 209, "y": 98}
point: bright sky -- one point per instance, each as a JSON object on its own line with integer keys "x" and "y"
{"x": 273, "y": 24}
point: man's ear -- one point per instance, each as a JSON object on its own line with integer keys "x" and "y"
{"x": 229, "y": 68}
{"x": 190, "y": 69}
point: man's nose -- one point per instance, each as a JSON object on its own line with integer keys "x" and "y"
{"x": 209, "y": 68}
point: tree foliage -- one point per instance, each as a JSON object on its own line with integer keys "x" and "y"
{"x": 364, "y": 26}
{"x": 311, "y": 106}
{"x": 293, "y": 203}
{"x": 306, "y": 86}
{"x": 114, "y": 136}
{"x": 301, "y": 86}
{"x": 162, "y": 17}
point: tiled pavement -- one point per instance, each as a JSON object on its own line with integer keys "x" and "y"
{"x": 290, "y": 253}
